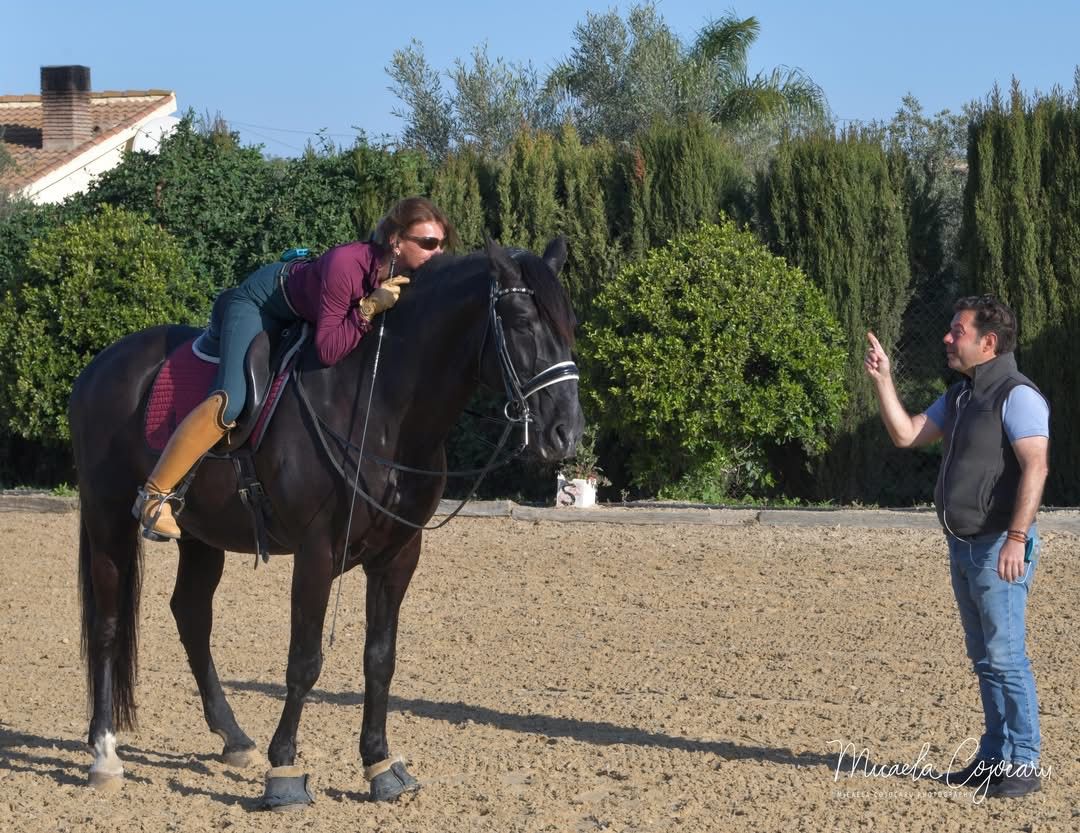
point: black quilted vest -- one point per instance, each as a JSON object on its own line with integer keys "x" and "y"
{"x": 979, "y": 476}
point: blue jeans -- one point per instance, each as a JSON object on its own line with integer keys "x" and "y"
{"x": 992, "y": 614}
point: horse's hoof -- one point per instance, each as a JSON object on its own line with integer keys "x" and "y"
{"x": 286, "y": 789}
{"x": 240, "y": 758}
{"x": 105, "y": 782}
{"x": 388, "y": 785}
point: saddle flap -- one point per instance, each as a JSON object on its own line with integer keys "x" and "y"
{"x": 187, "y": 376}
{"x": 257, "y": 382}
{"x": 265, "y": 364}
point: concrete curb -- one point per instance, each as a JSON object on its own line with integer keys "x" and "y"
{"x": 870, "y": 518}
{"x": 637, "y": 515}
{"x": 645, "y": 512}
{"x": 33, "y": 502}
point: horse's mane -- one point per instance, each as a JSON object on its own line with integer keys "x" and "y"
{"x": 549, "y": 293}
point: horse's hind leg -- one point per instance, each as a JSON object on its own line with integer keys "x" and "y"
{"x": 386, "y": 586}
{"x": 110, "y": 577}
{"x": 197, "y": 578}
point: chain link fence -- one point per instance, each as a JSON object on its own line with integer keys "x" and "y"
{"x": 906, "y": 477}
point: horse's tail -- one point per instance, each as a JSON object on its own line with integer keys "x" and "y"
{"x": 125, "y": 662}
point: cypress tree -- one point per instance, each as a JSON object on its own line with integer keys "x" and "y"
{"x": 692, "y": 176}
{"x": 627, "y": 187}
{"x": 1021, "y": 242}
{"x": 382, "y": 178}
{"x": 456, "y": 190}
{"x": 593, "y": 257}
{"x": 528, "y": 210}
{"x": 834, "y": 207}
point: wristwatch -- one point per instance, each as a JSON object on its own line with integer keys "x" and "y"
{"x": 367, "y": 308}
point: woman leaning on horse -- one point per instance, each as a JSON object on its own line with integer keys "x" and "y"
{"x": 339, "y": 293}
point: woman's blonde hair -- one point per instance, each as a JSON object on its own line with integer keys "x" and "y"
{"x": 407, "y": 212}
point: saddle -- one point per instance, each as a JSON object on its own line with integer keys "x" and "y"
{"x": 183, "y": 382}
{"x": 185, "y": 378}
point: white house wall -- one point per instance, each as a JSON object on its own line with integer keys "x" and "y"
{"x": 78, "y": 174}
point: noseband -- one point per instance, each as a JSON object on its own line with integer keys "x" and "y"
{"x": 516, "y": 410}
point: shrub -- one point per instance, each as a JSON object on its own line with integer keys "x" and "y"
{"x": 213, "y": 196}
{"x": 707, "y": 355}
{"x": 87, "y": 284}
{"x": 834, "y": 206}
{"x": 23, "y": 223}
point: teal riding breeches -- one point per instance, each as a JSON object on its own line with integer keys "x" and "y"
{"x": 257, "y": 305}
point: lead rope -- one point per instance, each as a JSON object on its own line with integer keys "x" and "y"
{"x": 359, "y": 459}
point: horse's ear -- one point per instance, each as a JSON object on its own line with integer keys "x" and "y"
{"x": 555, "y": 254}
{"x": 500, "y": 260}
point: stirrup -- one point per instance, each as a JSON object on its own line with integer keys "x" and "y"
{"x": 148, "y": 531}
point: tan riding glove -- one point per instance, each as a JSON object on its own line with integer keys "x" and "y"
{"x": 382, "y": 298}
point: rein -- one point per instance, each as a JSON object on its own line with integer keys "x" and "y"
{"x": 516, "y": 412}
{"x": 356, "y": 476}
{"x": 321, "y": 430}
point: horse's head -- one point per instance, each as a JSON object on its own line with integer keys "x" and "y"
{"x": 529, "y": 347}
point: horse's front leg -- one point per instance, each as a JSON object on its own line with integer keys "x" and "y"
{"x": 192, "y": 604}
{"x": 286, "y": 784}
{"x": 386, "y": 586}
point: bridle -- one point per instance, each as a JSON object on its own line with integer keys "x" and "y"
{"x": 515, "y": 410}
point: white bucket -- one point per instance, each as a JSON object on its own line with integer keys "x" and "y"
{"x": 577, "y": 493}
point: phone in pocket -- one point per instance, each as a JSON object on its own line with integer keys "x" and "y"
{"x": 1029, "y": 545}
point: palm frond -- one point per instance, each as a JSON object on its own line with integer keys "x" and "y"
{"x": 727, "y": 40}
{"x": 750, "y": 102}
{"x": 783, "y": 97}
{"x": 806, "y": 100}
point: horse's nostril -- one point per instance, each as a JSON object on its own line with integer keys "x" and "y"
{"x": 565, "y": 436}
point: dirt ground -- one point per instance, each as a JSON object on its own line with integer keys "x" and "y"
{"x": 563, "y": 677}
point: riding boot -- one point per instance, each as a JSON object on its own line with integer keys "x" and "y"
{"x": 198, "y": 433}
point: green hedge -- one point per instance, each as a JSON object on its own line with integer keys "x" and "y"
{"x": 851, "y": 215}
{"x": 87, "y": 284}
{"x": 706, "y": 356}
{"x": 1021, "y": 241}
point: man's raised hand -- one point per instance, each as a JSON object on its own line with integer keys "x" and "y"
{"x": 876, "y": 363}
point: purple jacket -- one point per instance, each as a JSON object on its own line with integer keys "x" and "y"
{"x": 325, "y": 292}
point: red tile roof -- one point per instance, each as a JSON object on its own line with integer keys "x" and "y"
{"x": 21, "y": 121}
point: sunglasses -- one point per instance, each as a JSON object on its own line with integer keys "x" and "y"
{"x": 428, "y": 244}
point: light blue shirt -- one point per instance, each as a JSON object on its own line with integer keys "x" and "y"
{"x": 1024, "y": 414}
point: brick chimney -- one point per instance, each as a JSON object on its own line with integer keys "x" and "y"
{"x": 65, "y": 101}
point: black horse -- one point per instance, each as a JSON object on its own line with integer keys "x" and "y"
{"x": 495, "y": 318}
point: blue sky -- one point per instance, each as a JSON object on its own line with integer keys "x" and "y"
{"x": 280, "y": 71}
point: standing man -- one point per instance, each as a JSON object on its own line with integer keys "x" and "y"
{"x": 995, "y": 428}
